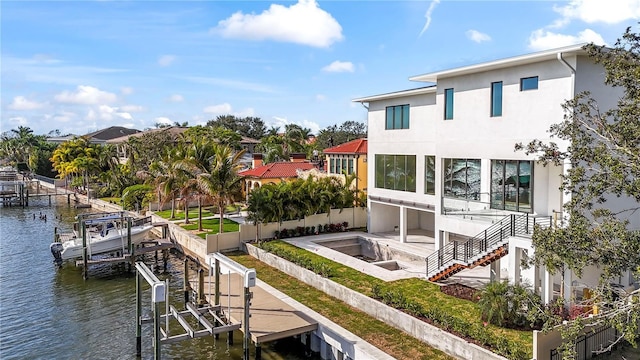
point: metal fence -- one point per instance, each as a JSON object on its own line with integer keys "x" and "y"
{"x": 588, "y": 344}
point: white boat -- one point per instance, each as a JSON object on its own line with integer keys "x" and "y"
{"x": 104, "y": 235}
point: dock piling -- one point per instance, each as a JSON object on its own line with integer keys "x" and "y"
{"x": 186, "y": 282}
{"x": 85, "y": 272}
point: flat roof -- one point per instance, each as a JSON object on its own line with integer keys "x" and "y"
{"x": 484, "y": 66}
{"x": 502, "y": 63}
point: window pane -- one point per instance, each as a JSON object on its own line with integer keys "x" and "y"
{"x": 511, "y": 185}
{"x": 397, "y": 117}
{"x": 411, "y": 173}
{"x": 430, "y": 175}
{"x": 448, "y": 104}
{"x": 524, "y": 186}
{"x": 350, "y": 169}
{"x": 473, "y": 179}
{"x": 496, "y": 98}
{"x": 344, "y": 166}
{"x": 530, "y": 83}
{"x": 380, "y": 171}
{"x": 389, "y": 122}
{"x": 497, "y": 184}
{"x": 332, "y": 166}
{"x": 389, "y": 171}
{"x": 405, "y": 116}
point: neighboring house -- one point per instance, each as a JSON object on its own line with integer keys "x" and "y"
{"x": 349, "y": 158}
{"x": 121, "y": 142}
{"x": 98, "y": 137}
{"x": 273, "y": 173}
{"x": 444, "y": 163}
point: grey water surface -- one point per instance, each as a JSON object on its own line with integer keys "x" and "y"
{"x": 52, "y": 313}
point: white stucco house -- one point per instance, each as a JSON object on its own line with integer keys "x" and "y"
{"x": 442, "y": 161}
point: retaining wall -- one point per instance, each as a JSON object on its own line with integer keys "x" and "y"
{"x": 421, "y": 330}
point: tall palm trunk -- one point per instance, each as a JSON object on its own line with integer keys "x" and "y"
{"x": 199, "y": 213}
{"x": 173, "y": 206}
{"x": 186, "y": 210}
{"x": 221, "y": 210}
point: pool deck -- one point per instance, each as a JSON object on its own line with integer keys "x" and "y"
{"x": 419, "y": 243}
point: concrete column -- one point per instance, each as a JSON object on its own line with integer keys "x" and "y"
{"x": 537, "y": 280}
{"x": 325, "y": 350}
{"x": 568, "y": 289}
{"x": 547, "y": 286}
{"x": 403, "y": 224}
{"x": 494, "y": 274}
{"x": 514, "y": 263}
{"x": 315, "y": 343}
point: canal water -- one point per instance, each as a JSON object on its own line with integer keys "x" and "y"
{"x": 51, "y": 313}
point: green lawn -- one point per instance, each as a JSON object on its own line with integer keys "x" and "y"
{"x": 113, "y": 200}
{"x": 463, "y": 316}
{"x": 180, "y": 214}
{"x": 211, "y": 226}
{"x": 385, "y": 337}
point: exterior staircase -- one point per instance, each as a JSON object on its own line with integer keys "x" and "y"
{"x": 482, "y": 249}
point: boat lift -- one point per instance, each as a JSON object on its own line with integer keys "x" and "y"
{"x": 219, "y": 324}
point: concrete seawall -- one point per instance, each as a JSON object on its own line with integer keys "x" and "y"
{"x": 421, "y": 330}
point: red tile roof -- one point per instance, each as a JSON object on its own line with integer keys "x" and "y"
{"x": 277, "y": 170}
{"x": 357, "y": 146}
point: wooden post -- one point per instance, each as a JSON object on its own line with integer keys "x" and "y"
{"x": 156, "y": 331}
{"x": 25, "y": 196}
{"x": 68, "y": 199}
{"x": 49, "y": 200}
{"x": 138, "y": 316}
{"x": 245, "y": 323}
{"x": 186, "y": 282}
{"x": 201, "y": 297}
{"x": 129, "y": 235}
{"x": 85, "y": 259}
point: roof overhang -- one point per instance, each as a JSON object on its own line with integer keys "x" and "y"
{"x": 498, "y": 64}
{"x": 397, "y": 94}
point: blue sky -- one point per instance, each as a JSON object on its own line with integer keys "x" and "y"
{"x": 79, "y": 66}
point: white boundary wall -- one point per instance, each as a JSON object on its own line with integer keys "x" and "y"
{"x": 421, "y": 330}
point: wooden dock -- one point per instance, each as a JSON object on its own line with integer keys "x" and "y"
{"x": 271, "y": 318}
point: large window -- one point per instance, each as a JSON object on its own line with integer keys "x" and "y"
{"x": 338, "y": 165}
{"x": 496, "y": 98}
{"x": 430, "y": 174}
{"x": 397, "y": 117}
{"x": 529, "y": 83}
{"x": 462, "y": 178}
{"x": 511, "y": 185}
{"x": 396, "y": 172}
{"x": 448, "y": 104}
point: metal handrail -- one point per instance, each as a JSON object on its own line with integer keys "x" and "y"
{"x": 496, "y": 235}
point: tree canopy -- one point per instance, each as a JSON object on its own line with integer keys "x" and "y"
{"x": 249, "y": 126}
{"x": 604, "y": 158}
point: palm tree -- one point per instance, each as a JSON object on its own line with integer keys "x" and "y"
{"x": 220, "y": 179}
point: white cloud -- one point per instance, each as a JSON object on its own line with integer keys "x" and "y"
{"x": 22, "y": 103}
{"x": 595, "y": 11}
{"x": 218, "y": 109}
{"x": 281, "y": 122}
{"x": 477, "y": 36}
{"x": 302, "y": 23}
{"x": 132, "y": 108}
{"x": 163, "y": 120}
{"x": 18, "y": 121}
{"x": 339, "y": 66}
{"x": 107, "y": 113}
{"x": 321, "y": 97}
{"x": 427, "y": 15}
{"x": 64, "y": 116}
{"x": 126, "y": 90}
{"x": 543, "y": 39}
{"x": 176, "y": 98}
{"x": 166, "y": 60}
{"x": 86, "y": 95}
{"x": 227, "y": 109}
